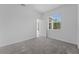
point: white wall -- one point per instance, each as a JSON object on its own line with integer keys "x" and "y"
{"x": 78, "y": 28}
{"x": 17, "y": 23}
{"x": 68, "y": 31}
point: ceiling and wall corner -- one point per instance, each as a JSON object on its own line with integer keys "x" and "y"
{"x": 42, "y": 8}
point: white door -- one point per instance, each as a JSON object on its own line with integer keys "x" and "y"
{"x": 37, "y": 32}
{"x": 41, "y": 28}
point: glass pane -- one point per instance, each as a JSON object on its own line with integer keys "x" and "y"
{"x": 50, "y": 19}
{"x": 56, "y": 25}
{"x": 50, "y": 25}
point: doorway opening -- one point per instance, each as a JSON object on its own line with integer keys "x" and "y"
{"x": 37, "y": 31}
{"x": 40, "y": 28}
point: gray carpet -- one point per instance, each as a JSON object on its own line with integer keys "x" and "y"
{"x": 40, "y": 45}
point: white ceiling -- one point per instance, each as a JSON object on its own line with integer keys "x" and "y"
{"x": 42, "y": 8}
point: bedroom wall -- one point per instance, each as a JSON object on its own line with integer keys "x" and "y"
{"x": 78, "y": 28}
{"x": 68, "y": 31}
{"x": 17, "y": 23}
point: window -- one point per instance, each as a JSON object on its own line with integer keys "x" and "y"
{"x": 55, "y": 22}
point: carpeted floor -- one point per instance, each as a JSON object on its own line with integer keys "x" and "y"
{"x": 40, "y": 45}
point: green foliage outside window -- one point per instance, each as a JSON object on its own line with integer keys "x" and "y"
{"x": 54, "y": 23}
